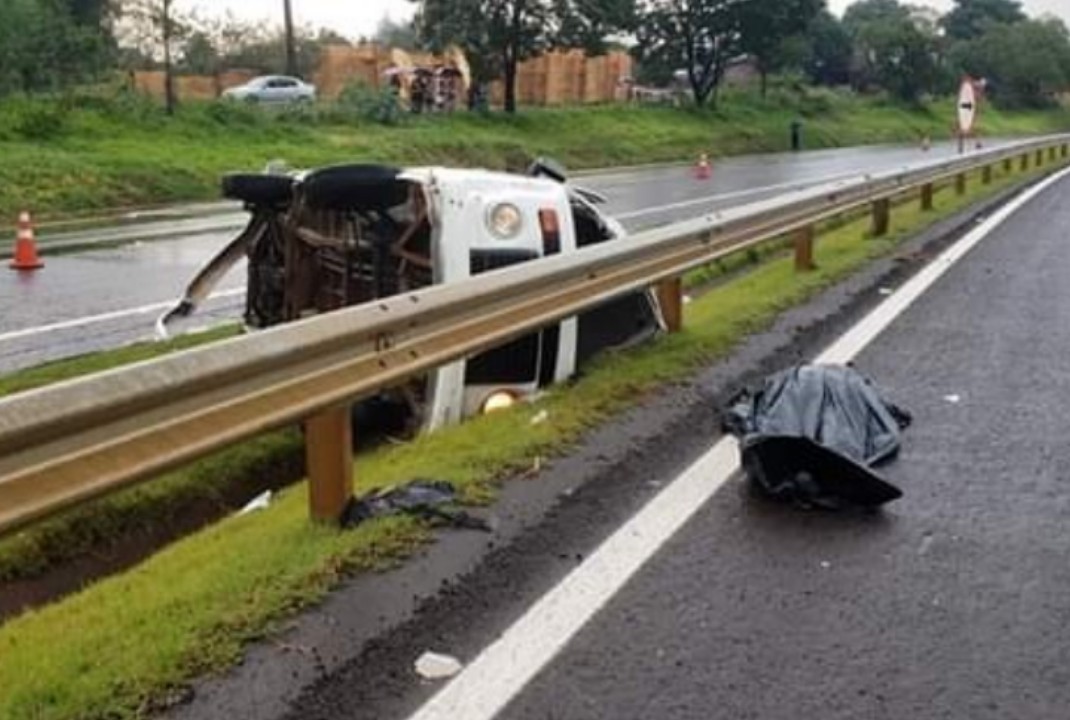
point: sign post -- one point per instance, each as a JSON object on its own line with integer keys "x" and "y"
{"x": 967, "y": 111}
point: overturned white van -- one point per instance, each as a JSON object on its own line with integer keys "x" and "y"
{"x": 325, "y": 239}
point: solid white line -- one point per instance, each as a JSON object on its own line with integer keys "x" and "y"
{"x": 862, "y": 334}
{"x": 501, "y": 671}
{"x": 105, "y": 317}
{"x": 798, "y": 184}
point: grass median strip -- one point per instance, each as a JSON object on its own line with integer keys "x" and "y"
{"x": 70, "y": 368}
{"x": 102, "y": 155}
{"x": 122, "y": 647}
{"x": 143, "y": 508}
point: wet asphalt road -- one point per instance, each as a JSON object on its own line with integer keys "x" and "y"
{"x": 952, "y": 603}
{"x": 57, "y": 312}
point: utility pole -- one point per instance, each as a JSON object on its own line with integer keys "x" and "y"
{"x": 291, "y": 49}
{"x": 168, "y": 70}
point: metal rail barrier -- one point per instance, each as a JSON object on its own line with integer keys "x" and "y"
{"x": 65, "y": 444}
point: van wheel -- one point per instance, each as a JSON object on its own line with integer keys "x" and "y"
{"x": 346, "y": 187}
{"x": 258, "y": 189}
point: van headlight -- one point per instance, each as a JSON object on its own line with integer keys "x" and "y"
{"x": 499, "y": 400}
{"x": 505, "y": 221}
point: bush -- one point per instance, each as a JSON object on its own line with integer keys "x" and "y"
{"x": 380, "y": 106}
{"x": 23, "y": 118}
{"x": 229, "y": 113}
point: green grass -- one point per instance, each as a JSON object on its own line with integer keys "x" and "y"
{"x": 94, "y": 155}
{"x": 53, "y": 372}
{"x": 143, "y": 508}
{"x": 119, "y": 648}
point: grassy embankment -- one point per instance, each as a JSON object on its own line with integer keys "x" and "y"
{"x": 123, "y": 645}
{"x": 86, "y": 155}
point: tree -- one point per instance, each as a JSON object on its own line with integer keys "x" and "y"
{"x": 200, "y": 56}
{"x": 829, "y": 60}
{"x": 43, "y": 46}
{"x": 497, "y": 35}
{"x": 395, "y": 34}
{"x": 1026, "y": 64}
{"x": 765, "y": 27}
{"x": 699, "y": 36}
{"x": 892, "y": 49}
{"x": 290, "y": 39}
{"x": 969, "y": 18}
{"x": 588, "y": 24}
{"x": 97, "y": 17}
{"x": 867, "y": 12}
{"x": 262, "y": 47}
{"x": 152, "y": 28}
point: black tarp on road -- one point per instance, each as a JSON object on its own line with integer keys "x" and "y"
{"x": 813, "y": 434}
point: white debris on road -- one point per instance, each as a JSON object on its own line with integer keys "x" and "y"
{"x": 434, "y": 666}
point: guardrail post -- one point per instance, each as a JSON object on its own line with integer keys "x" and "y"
{"x": 1051, "y": 153}
{"x": 804, "y": 249}
{"x": 986, "y": 175}
{"x": 960, "y": 183}
{"x": 882, "y": 216}
{"x": 1040, "y": 158}
{"x": 1066, "y": 150}
{"x": 1008, "y": 166}
{"x": 329, "y": 463}
{"x": 671, "y": 298}
{"x": 927, "y": 196}
{"x": 1025, "y": 162}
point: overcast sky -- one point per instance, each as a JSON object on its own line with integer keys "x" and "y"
{"x": 354, "y": 18}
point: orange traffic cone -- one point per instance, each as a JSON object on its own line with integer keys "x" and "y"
{"x": 702, "y": 167}
{"x": 25, "y": 247}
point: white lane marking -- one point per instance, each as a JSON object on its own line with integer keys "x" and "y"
{"x": 502, "y": 670}
{"x": 862, "y": 334}
{"x": 797, "y": 184}
{"x": 106, "y": 317}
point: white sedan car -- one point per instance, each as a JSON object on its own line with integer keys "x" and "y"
{"x": 272, "y": 89}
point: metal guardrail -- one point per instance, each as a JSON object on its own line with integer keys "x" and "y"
{"x": 68, "y": 443}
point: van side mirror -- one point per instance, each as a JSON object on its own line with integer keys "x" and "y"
{"x": 548, "y": 167}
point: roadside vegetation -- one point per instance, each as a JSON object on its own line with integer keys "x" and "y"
{"x": 63, "y": 156}
{"x": 127, "y": 645}
{"x": 76, "y": 138}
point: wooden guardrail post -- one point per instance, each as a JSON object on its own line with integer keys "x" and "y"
{"x": 804, "y": 249}
{"x": 882, "y": 216}
{"x": 986, "y": 175}
{"x": 960, "y": 183}
{"x": 1040, "y": 158}
{"x": 927, "y": 197}
{"x": 1025, "y": 163}
{"x": 329, "y": 463}
{"x": 1008, "y": 166}
{"x": 671, "y": 298}
{"x": 1051, "y": 153}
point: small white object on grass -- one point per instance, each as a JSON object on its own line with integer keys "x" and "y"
{"x": 260, "y": 502}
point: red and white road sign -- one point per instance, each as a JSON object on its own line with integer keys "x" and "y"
{"x": 967, "y": 106}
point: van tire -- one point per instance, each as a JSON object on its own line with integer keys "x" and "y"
{"x": 258, "y": 189}
{"x": 347, "y": 187}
